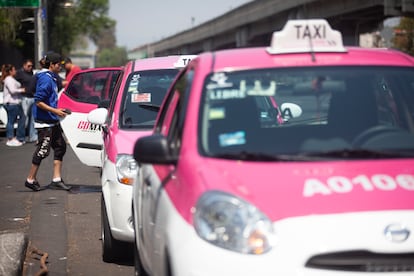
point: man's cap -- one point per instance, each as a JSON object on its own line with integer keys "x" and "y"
{"x": 53, "y": 58}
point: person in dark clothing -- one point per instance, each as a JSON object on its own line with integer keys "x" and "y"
{"x": 25, "y": 76}
{"x": 47, "y": 117}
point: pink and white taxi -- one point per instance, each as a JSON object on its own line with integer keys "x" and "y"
{"x": 225, "y": 188}
{"x": 105, "y": 136}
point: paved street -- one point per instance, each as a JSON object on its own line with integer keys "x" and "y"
{"x": 64, "y": 225}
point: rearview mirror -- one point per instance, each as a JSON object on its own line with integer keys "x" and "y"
{"x": 290, "y": 110}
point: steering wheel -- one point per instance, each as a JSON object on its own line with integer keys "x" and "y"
{"x": 371, "y": 132}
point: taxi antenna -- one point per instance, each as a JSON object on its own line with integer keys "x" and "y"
{"x": 312, "y": 52}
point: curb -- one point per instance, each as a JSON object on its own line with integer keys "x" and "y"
{"x": 13, "y": 248}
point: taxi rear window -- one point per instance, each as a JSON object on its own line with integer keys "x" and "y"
{"x": 306, "y": 109}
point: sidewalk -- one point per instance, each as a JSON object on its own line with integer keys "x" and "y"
{"x": 13, "y": 248}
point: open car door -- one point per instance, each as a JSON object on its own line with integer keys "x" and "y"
{"x": 85, "y": 91}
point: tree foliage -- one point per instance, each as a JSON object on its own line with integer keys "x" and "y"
{"x": 9, "y": 24}
{"x": 66, "y": 28}
{"x": 68, "y": 25}
{"x": 404, "y": 35}
{"x": 108, "y": 57}
{"x": 16, "y": 27}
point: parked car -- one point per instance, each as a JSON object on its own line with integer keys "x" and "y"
{"x": 140, "y": 88}
{"x": 224, "y": 188}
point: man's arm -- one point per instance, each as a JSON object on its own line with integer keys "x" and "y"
{"x": 58, "y": 111}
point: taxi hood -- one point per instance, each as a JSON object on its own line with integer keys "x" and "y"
{"x": 123, "y": 142}
{"x": 282, "y": 190}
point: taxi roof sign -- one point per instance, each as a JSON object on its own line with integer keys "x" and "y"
{"x": 183, "y": 60}
{"x": 303, "y": 36}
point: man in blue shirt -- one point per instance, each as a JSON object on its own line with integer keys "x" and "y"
{"x": 47, "y": 117}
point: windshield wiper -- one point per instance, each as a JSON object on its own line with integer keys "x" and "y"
{"x": 152, "y": 107}
{"x": 259, "y": 156}
{"x": 312, "y": 156}
{"x": 360, "y": 154}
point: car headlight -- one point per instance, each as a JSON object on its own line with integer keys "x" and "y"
{"x": 126, "y": 169}
{"x": 232, "y": 223}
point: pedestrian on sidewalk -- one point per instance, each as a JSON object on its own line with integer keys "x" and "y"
{"x": 25, "y": 76}
{"x": 47, "y": 117}
{"x": 12, "y": 101}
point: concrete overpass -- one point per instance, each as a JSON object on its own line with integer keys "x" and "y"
{"x": 253, "y": 23}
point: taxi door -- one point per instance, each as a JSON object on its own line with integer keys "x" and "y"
{"x": 86, "y": 90}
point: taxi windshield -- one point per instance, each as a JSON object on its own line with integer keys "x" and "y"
{"x": 330, "y": 112}
{"x": 143, "y": 95}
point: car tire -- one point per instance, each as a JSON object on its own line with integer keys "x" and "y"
{"x": 112, "y": 250}
{"x": 138, "y": 268}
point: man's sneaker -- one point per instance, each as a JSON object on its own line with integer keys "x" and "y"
{"x": 58, "y": 185}
{"x": 34, "y": 186}
{"x": 14, "y": 143}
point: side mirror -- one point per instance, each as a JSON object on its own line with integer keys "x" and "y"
{"x": 153, "y": 149}
{"x": 98, "y": 116}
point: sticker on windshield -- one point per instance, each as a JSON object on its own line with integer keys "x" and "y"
{"x": 258, "y": 89}
{"x": 219, "y": 80}
{"x": 232, "y": 139}
{"x": 216, "y": 113}
{"x": 141, "y": 97}
{"x": 133, "y": 85}
{"x": 225, "y": 94}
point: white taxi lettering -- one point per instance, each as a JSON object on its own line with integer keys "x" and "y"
{"x": 310, "y": 31}
{"x": 406, "y": 181}
{"x": 384, "y": 182}
{"x": 364, "y": 182}
{"x": 315, "y": 186}
{"x": 227, "y": 94}
{"x": 341, "y": 184}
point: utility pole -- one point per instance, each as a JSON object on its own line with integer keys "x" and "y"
{"x": 41, "y": 30}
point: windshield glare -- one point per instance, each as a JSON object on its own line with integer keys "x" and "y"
{"x": 144, "y": 92}
{"x": 307, "y": 110}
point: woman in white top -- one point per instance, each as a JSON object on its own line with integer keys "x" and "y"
{"x": 12, "y": 101}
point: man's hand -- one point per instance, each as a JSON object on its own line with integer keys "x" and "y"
{"x": 61, "y": 112}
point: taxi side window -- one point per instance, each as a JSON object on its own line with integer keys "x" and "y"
{"x": 114, "y": 95}
{"x": 92, "y": 87}
{"x": 177, "y": 104}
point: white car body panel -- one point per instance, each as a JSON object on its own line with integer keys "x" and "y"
{"x": 119, "y": 195}
{"x": 80, "y": 132}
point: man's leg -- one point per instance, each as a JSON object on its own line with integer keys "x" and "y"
{"x": 33, "y": 172}
{"x": 57, "y": 169}
{"x": 31, "y": 181}
{"x": 59, "y": 147}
